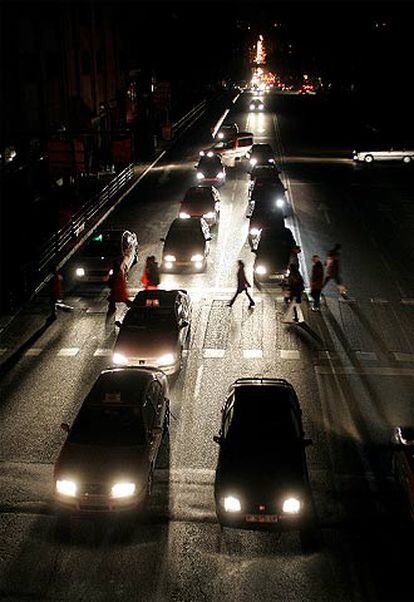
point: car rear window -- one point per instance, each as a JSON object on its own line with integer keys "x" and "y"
{"x": 109, "y": 426}
{"x": 101, "y": 246}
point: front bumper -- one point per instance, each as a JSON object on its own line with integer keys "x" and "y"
{"x": 178, "y": 266}
{"x": 256, "y": 520}
{"x": 141, "y": 362}
{"x": 93, "y": 504}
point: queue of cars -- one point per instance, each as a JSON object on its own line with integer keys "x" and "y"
{"x": 107, "y": 461}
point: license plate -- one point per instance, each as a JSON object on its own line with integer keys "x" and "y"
{"x": 275, "y": 277}
{"x": 262, "y": 518}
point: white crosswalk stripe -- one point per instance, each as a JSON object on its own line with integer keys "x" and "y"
{"x": 289, "y": 354}
{"x": 33, "y": 352}
{"x": 252, "y": 354}
{"x": 103, "y": 352}
{"x": 68, "y": 352}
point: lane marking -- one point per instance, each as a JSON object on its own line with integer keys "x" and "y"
{"x": 213, "y": 353}
{"x": 250, "y": 354}
{"x": 289, "y": 354}
{"x": 220, "y": 121}
{"x": 403, "y": 357}
{"x": 33, "y": 352}
{"x": 368, "y": 356}
{"x": 68, "y": 352}
{"x": 379, "y": 300}
{"x": 368, "y": 370}
{"x": 102, "y": 352}
{"x": 199, "y": 377}
{"x": 235, "y": 99}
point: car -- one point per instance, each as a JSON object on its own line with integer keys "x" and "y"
{"x": 384, "y": 154}
{"x": 107, "y": 462}
{"x": 186, "y": 245}
{"x": 264, "y": 173}
{"x": 96, "y": 259}
{"x": 201, "y": 201}
{"x": 232, "y": 150}
{"x": 256, "y": 104}
{"x": 264, "y": 216}
{"x": 403, "y": 462}
{"x": 227, "y": 131}
{"x": 154, "y": 331}
{"x": 270, "y": 193}
{"x": 272, "y": 252}
{"x": 210, "y": 169}
{"x": 261, "y": 477}
{"x": 261, "y": 154}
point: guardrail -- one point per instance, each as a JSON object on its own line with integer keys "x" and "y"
{"x": 189, "y": 118}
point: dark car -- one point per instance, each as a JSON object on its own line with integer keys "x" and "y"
{"x": 96, "y": 259}
{"x": 261, "y": 154}
{"x": 107, "y": 461}
{"x": 155, "y": 330}
{"x": 227, "y": 131}
{"x": 186, "y": 245}
{"x": 264, "y": 216}
{"x": 270, "y": 193}
{"x": 264, "y": 173}
{"x": 210, "y": 169}
{"x": 272, "y": 255}
{"x": 403, "y": 462}
{"x": 201, "y": 201}
{"x": 256, "y": 104}
{"x": 261, "y": 477}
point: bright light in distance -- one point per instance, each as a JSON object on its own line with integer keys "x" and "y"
{"x": 66, "y": 487}
{"x": 80, "y": 272}
{"x": 169, "y": 258}
{"x": 220, "y": 135}
{"x": 197, "y": 258}
{"x": 291, "y": 505}
{"x": 220, "y": 175}
{"x": 167, "y": 359}
{"x": 198, "y": 265}
{"x": 251, "y": 107}
{"x": 111, "y": 272}
{"x": 261, "y": 107}
{"x": 231, "y": 504}
{"x": 280, "y": 203}
{"x": 254, "y": 232}
{"x": 120, "y": 490}
{"x": 253, "y": 161}
{"x": 210, "y": 154}
{"x": 201, "y": 153}
{"x": 184, "y": 215}
{"x": 168, "y": 265}
{"x": 119, "y": 359}
{"x": 200, "y": 175}
{"x": 209, "y": 215}
{"x": 261, "y": 270}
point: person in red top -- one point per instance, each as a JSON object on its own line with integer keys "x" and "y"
{"x": 118, "y": 292}
{"x": 150, "y": 278}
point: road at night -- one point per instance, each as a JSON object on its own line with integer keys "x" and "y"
{"x": 352, "y": 370}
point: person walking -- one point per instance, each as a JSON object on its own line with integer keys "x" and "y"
{"x": 316, "y": 282}
{"x": 242, "y": 285}
{"x": 293, "y": 293}
{"x": 333, "y": 270}
{"x": 118, "y": 292}
{"x": 294, "y": 255}
{"x": 150, "y": 278}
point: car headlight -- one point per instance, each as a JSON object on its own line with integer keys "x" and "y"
{"x": 66, "y": 487}
{"x": 280, "y": 203}
{"x": 110, "y": 273}
{"x": 210, "y": 154}
{"x": 209, "y": 215}
{"x": 167, "y": 359}
{"x": 119, "y": 359}
{"x": 261, "y": 107}
{"x": 254, "y": 232}
{"x": 200, "y": 175}
{"x": 184, "y": 215}
{"x": 169, "y": 258}
{"x": 197, "y": 258}
{"x": 220, "y": 135}
{"x": 253, "y": 161}
{"x": 120, "y": 490}
{"x": 261, "y": 270}
{"x": 80, "y": 272}
{"x": 251, "y": 107}
{"x": 220, "y": 175}
{"x": 231, "y": 504}
{"x": 291, "y": 505}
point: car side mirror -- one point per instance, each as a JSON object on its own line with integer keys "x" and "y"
{"x": 118, "y": 323}
{"x": 65, "y": 427}
{"x": 162, "y": 239}
{"x": 307, "y": 442}
{"x": 217, "y": 439}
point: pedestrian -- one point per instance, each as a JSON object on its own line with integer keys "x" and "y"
{"x": 316, "y": 282}
{"x": 150, "y": 278}
{"x": 294, "y": 255}
{"x": 118, "y": 292}
{"x": 293, "y": 293}
{"x": 56, "y": 294}
{"x": 242, "y": 285}
{"x": 333, "y": 270}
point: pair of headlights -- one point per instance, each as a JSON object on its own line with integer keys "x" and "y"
{"x": 291, "y": 505}
{"x": 119, "y": 359}
{"x": 208, "y": 215}
{"x": 253, "y": 107}
{"x": 172, "y": 258}
{"x": 120, "y": 490}
{"x": 201, "y": 176}
{"x": 80, "y": 272}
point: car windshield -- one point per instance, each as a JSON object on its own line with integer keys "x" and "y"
{"x": 185, "y": 232}
{"x": 101, "y": 246}
{"x": 198, "y": 195}
{"x": 150, "y": 318}
{"x": 108, "y": 426}
{"x": 210, "y": 162}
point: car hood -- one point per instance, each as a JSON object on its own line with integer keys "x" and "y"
{"x": 146, "y": 343}
{"x": 90, "y": 463}
{"x": 184, "y": 249}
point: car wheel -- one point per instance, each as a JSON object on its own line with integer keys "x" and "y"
{"x": 407, "y": 160}
{"x": 368, "y": 158}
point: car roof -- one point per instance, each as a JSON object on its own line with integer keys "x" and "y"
{"x": 190, "y": 224}
{"x": 163, "y": 297}
{"x": 275, "y": 403}
{"x": 201, "y": 191}
{"x": 124, "y": 386}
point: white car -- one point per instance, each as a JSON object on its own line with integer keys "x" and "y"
{"x": 391, "y": 154}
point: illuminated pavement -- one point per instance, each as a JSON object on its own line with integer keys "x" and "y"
{"x": 353, "y": 374}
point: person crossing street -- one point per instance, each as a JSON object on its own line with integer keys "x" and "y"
{"x": 242, "y": 285}
{"x": 316, "y": 282}
{"x": 333, "y": 271}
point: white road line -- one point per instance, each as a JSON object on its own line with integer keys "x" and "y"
{"x": 289, "y": 354}
{"x": 199, "y": 378}
{"x": 68, "y": 352}
{"x": 102, "y": 353}
{"x": 368, "y": 370}
{"x": 220, "y": 121}
{"x": 250, "y": 354}
{"x": 379, "y": 301}
{"x": 368, "y": 356}
{"x": 213, "y": 353}
{"x": 33, "y": 352}
{"x": 235, "y": 99}
{"x": 403, "y": 357}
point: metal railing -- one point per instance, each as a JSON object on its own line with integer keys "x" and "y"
{"x": 189, "y": 118}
